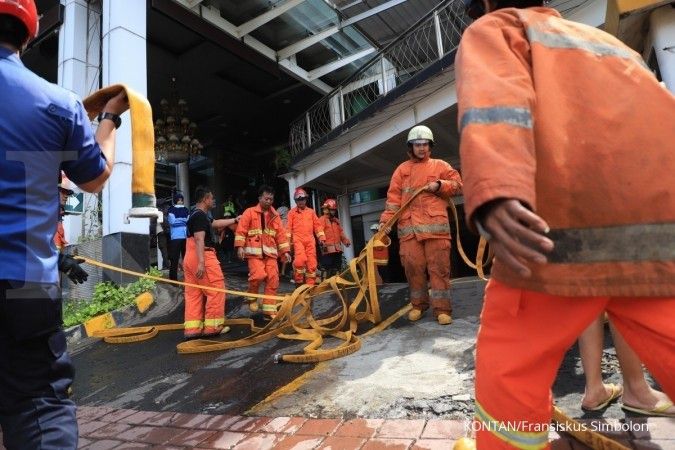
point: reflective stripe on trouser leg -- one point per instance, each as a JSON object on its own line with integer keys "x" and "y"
{"x": 299, "y": 275}
{"x": 412, "y": 258}
{"x": 518, "y": 352}
{"x": 214, "y": 315}
{"x": 310, "y": 251}
{"x": 299, "y": 261}
{"x": 194, "y": 300}
{"x": 440, "y": 301}
{"x": 271, "y": 286}
{"x": 437, "y": 255}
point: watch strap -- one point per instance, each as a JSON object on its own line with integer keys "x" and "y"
{"x": 117, "y": 120}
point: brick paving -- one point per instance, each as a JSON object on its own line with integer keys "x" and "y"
{"x": 104, "y": 428}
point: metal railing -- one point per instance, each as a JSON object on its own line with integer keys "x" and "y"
{"x": 427, "y": 41}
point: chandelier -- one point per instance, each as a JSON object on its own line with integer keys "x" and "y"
{"x": 175, "y": 140}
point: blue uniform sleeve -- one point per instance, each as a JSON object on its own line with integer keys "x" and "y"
{"x": 84, "y": 160}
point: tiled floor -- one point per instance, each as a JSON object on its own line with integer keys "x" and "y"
{"x": 105, "y": 428}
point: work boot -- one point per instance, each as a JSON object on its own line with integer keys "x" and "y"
{"x": 444, "y": 319}
{"x": 253, "y": 306}
{"x": 465, "y": 443}
{"x": 414, "y": 315}
{"x": 224, "y": 330}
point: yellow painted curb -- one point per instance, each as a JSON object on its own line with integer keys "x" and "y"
{"x": 144, "y": 302}
{"x": 99, "y": 323}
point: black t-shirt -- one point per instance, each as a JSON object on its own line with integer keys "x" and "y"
{"x": 199, "y": 221}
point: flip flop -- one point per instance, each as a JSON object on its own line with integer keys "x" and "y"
{"x": 617, "y": 391}
{"x": 658, "y": 410}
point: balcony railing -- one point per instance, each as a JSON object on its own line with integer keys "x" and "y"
{"x": 430, "y": 39}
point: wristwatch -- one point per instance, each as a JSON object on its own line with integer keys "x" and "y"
{"x": 117, "y": 120}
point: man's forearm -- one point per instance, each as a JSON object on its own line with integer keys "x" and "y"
{"x": 105, "y": 136}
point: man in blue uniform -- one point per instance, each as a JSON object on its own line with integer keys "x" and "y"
{"x": 43, "y": 129}
{"x": 177, "y": 218}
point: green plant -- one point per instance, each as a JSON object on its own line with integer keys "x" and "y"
{"x": 106, "y": 297}
{"x": 282, "y": 159}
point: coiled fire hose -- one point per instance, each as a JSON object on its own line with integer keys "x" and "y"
{"x": 294, "y": 319}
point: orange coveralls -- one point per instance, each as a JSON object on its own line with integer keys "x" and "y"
{"x": 263, "y": 237}
{"x": 335, "y": 235}
{"x": 335, "y": 238}
{"x": 424, "y": 229}
{"x": 204, "y": 309}
{"x": 599, "y": 169}
{"x": 303, "y": 225}
{"x": 60, "y": 237}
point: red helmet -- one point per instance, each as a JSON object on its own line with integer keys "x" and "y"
{"x": 25, "y": 11}
{"x": 300, "y": 193}
{"x": 329, "y": 203}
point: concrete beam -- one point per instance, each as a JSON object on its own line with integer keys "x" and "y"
{"x": 335, "y": 65}
{"x": 321, "y": 35}
{"x": 212, "y": 16}
{"x": 257, "y": 22}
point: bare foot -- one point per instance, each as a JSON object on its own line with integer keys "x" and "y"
{"x": 597, "y": 399}
{"x": 647, "y": 401}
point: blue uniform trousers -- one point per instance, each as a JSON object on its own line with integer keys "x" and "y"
{"x": 35, "y": 370}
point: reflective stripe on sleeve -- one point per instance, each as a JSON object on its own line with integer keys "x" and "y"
{"x": 567, "y": 41}
{"x": 515, "y": 116}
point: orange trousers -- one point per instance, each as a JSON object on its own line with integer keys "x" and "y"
{"x": 304, "y": 260}
{"x": 266, "y": 271}
{"x": 522, "y": 340}
{"x": 430, "y": 256}
{"x": 204, "y": 309}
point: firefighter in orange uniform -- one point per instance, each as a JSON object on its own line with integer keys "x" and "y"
{"x": 303, "y": 225}
{"x": 579, "y": 220}
{"x": 260, "y": 238}
{"x": 204, "y": 308}
{"x": 331, "y": 252}
{"x": 60, "y": 235}
{"x": 424, "y": 229}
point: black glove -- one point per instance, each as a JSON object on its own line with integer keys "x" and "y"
{"x": 71, "y": 267}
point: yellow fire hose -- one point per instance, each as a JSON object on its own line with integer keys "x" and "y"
{"x": 143, "y": 202}
{"x": 294, "y": 319}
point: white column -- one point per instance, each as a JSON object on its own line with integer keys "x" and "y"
{"x": 183, "y": 176}
{"x": 346, "y": 222}
{"x": 292, "y": 185}
{"x": 78, "y": 67}
{"x": 662, "y": 29}
{"x": 124, "y": 61}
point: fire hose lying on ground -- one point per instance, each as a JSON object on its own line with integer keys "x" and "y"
{"x": 355, "y": 288}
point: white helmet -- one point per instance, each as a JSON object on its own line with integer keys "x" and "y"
{"x": 419, "y": 133}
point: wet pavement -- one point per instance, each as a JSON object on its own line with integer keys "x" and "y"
{"x": 413, "y": 373}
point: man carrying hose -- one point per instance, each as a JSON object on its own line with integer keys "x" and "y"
{"x": 43, "y": 129}
{"x": 204, "y": 308}
{"x": 423, "y": 228}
